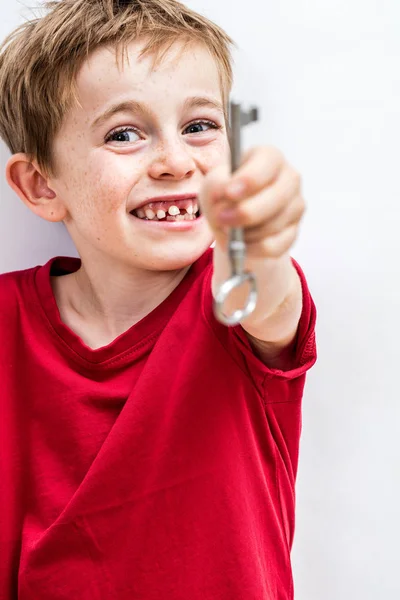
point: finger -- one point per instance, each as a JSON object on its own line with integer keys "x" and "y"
{"x": 274, "y": 246}
{"x": 265, "y": 205}
{"x": 260, "y": 167}
{"x": 213, "y": 191}
{"x": 214, "y": 184}
{"x": 291, "y": 215}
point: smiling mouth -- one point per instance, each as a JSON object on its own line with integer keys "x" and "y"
{"x": 173, "y": 210}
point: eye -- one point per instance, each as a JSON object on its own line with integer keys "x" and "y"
{"x": 123, "y": 136}
{"x": 199, "y": 126}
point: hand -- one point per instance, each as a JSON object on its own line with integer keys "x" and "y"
{"x": 263, "y": 196}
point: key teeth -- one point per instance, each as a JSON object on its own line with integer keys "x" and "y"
{"x": 254, "y": 114}
{"x": 249, "y": 117}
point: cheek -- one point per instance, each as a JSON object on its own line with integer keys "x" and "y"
{"x": 215, "y": 154}
{"x": 110, "y": 180}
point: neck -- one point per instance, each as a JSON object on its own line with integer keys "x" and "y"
{"x": 101, "y": 303}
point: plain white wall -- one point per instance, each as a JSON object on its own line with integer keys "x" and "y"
{"x": 26, "y": 240}
{"x": 326, "y": 78}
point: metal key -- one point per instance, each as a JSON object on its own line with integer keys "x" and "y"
{"x": 237, "y": 247}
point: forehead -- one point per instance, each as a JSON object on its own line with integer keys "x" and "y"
{"x": 180, "y": 73}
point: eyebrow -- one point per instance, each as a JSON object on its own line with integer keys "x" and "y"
{"x": 129, "y": 106}
{"x": 133, "y": 106}
{"x": 200, "y": 102}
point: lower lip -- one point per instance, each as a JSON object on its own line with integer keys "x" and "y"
{"x": 172, "y": 225}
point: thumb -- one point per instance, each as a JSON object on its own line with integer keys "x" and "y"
{"x": 212, "y": 192}
{"x": 212, "y": 199}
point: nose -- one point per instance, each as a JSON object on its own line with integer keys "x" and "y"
{"x": 172, "y": 161}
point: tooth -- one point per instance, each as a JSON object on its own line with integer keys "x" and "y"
{"x": 189, "y": 210}
{"x": 140, "y": 213}
{"x": 174, "y": 210}
{"x": 150, "y": 214}
{"x": 180, "y": 217}
{"x": 160, "y": 214}
{"x": 195, "y": 208}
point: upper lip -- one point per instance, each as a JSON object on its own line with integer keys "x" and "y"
{"x": 169, "y": 198}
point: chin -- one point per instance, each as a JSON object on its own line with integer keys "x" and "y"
{"x": 177, "y": 257}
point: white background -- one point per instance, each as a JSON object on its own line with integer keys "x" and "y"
{"x": 326, "y": 76}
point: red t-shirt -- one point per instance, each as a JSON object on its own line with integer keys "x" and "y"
{"x": 159, "y": 467}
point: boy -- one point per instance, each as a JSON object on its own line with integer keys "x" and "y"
{"x": 148, "y": 452}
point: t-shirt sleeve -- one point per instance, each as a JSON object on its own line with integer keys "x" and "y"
{"x": 280, "y": 390}
{"x": 303, "y": 350}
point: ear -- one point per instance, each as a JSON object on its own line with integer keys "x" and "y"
{"x": 31, "y": 185}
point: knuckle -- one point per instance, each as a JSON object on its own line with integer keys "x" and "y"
{"x": 301, "y": 206}
{"x": 271, "y": 154}
{"x": 294, "y": 232}
{"x": 296, "y": 179}
{"x": 276, "y": 245}
{"x": 270, "y": 247}
{"x": 276, "y": 154}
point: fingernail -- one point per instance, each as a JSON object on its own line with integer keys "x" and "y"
{"x": 227, "y": 215}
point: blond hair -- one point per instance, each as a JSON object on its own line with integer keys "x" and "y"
{"x": 40, "y": 60}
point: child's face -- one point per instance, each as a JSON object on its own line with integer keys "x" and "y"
{"x": 107, "y": 169}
